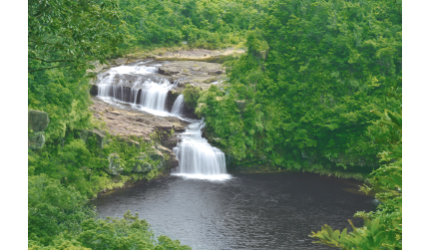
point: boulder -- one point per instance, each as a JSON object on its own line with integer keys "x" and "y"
{"x": 158, "y": 153}
{"x": 94, "y": 90}
{"x": 84, "y": 134}
{"x": 37, "y": 120}
{"x": 155, "y": 154}
{"x": 170, "y": 142}
{"x": 172, "y": 161}
{"x": 142, "y": 166}
{"x": 169, "y": 70}
{"x": 120, "y": 61}
{"x": 36, "y": 140}
{"x": 114, "y": 165}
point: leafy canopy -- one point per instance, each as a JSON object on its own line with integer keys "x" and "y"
{"x": 71, "y": 33}
{"x": 382, "y": 229}
{"x": 300, "y": 98}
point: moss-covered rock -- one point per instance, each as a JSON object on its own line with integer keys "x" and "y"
{"x": 85, "y": 134}
{"x": 36, "y": 140}
{"x": 38, "y": 120}
{"x": 114, "y": 165}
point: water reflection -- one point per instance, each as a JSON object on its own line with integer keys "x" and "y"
{"x": 253, "y": 211}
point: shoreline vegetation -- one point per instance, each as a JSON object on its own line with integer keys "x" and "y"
{"x": 310, "y": 87}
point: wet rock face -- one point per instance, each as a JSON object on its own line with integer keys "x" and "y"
{"x": 172, "y": 161}
{"x": 94, "y": 90}
{"x": 171, "y": 98}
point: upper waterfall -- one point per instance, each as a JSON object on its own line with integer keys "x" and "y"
{"x": 137, "y": 85}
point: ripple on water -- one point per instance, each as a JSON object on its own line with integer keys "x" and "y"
{"x": 253, "y": 211}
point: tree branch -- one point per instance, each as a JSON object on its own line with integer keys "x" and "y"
{"x": 43, "y": 60}
{"x": 55, "y": 67}
{"x": 53, "y": 44}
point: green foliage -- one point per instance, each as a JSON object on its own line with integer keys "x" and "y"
{"x": 86, "y": 165}
{"x": 208, "y": 24}
{"x": 64, "y": 96}
{"x": 71, "y": 34}
{"x": 59, "y": 219}
{"x": 300, "y": 98}
{"x": 126, "y": 233}
{"x": 191, "y": 95}
{"x": 65, "y": 37}
{"x": 382, "y": 229}
{"x": 53, "y": 208}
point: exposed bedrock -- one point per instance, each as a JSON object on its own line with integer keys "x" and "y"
{"x": 126, "y": 122}
{"x": 200, "y": 74}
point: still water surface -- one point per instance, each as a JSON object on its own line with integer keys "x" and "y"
{"x": 249, "y": 211}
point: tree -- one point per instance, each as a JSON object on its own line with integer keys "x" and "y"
{"x": 53, "y": 209}
{"x": 312, "y": 72}
{"x": 382, "y": 229}
{"x": 71, "y": 33}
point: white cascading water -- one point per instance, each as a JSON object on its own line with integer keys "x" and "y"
{"x": 197, "y": 158}
{"x": 178, "y": 105}
{"x": 131, "y": 84}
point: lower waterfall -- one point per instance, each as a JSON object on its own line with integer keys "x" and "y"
{"x": 197, "y": 158}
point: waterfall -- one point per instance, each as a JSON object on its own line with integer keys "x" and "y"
{"x": 136, "y": 85}
{"x": 139, "y": 86}
{"x": 197, "y": 158}
{"x": 178, "y": 105}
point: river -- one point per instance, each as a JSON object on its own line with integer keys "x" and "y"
{"x": 248, "y": 211}
{"x": 207, "y": 208}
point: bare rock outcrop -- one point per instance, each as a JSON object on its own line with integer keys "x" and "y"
{"x": 198, "y": 54}
{"x": 201, "y": 74}
{"x": 125, "y": 122}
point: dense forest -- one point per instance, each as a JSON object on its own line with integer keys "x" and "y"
{"x": 319, "y": 89}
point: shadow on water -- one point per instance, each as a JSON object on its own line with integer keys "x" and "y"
{"x": 249, "y": 211}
